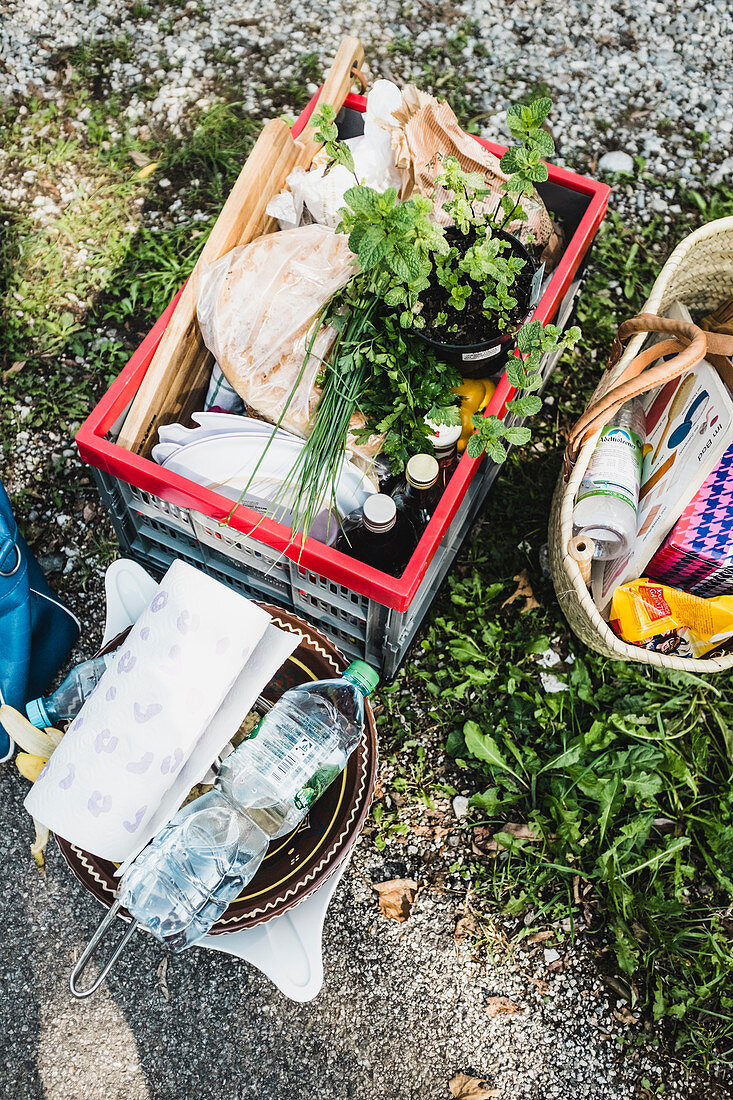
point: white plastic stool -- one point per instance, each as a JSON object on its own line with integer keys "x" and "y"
{"x": 286, "y": 949}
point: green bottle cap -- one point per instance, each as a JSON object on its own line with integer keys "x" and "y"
{"x": 363, "y": 676}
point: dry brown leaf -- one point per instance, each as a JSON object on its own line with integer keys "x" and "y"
{"x": 465, "y": 926}
{"x": 500, "y": 1006}
{"x": 624, "y": 1016}
{"x": 433, "y": 831}
{"x": 396, "y": 896}
{"x": 463, "y": 1087}
{"x": 15, "y": 369}
{"x": 483, "y": 835}
{"x": 139, "y": 158}
{"x": 520, "y": 831}
{"x": 619, "y": 988}
{"x": 540, "y": 937}
{"x": 523, "y": 592}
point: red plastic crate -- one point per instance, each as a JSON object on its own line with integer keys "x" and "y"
{"x": 98, "y": 450}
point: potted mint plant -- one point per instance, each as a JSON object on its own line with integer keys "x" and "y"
{"x": 482, "y": 282}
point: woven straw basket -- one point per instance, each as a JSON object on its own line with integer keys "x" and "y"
{"x": 699, "y": 273}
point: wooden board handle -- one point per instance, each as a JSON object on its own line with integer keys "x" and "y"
{"x": 350, "y": 55}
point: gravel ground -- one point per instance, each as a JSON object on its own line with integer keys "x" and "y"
{"x": 404, "y": 1007}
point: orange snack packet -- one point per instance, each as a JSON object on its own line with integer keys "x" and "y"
{"x": 668, "y": 620}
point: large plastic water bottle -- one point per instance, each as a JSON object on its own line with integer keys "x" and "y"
{"x": 66, "y": 702}
{"x": 191, "y": 871}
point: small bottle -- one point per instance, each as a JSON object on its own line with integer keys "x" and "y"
{"x": 380, "y": 536}
{"x": 445, "y": 444}
{"x": 187, "y": 876}
{"x": 66, "y": 702}
{"x": 419, "y": 493}
{"x": 607, "y": 500}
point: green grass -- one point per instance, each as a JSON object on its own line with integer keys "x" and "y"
{"x": 625, "y": 778}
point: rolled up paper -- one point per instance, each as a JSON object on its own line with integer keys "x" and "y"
{"x": 123, "y": 753}
{"x": 581, "y": 550}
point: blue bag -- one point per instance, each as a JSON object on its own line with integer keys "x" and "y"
{"x": 36, "y": 630}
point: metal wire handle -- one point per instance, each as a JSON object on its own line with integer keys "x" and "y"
{"x": 89, "y": 950}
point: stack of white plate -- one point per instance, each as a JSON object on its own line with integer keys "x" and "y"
{"x": 223, "y": 453}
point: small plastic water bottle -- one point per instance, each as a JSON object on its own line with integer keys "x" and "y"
{"x": 66, "y": 702}
{"x": 605, "y": 507}
{"x": 187, "y": 876}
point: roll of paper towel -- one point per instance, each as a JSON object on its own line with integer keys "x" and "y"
{"x": 165, "y": 702}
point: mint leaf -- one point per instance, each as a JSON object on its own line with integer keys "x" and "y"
{"x": 510, "y": 162}
{"x": 476, "y": 446}
{"x": 543, "y": 143}
{"x": 372, "y": 247}
{"x": 540, "y": 109}
{"x": 529, "y": 335}
{"x": 526, "y": 405}
{"x": 518, "y": 435}
{"x": 496, "y": 452}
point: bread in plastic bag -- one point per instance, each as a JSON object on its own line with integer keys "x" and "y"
{"x": 256, "y": 307}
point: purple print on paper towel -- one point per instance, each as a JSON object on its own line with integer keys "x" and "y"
{"x": 133, "y": 825}
{"x": 172, "y": 763}
{"x": 144, "y": 714}
{"x": 105, "y": 741}
{"x": 139, "y": 767}
{"x": 159, "y": 601}
{"x": 99, "y": 804}
{"x": 187, "y": 622}
{"x": 68, "y": 779}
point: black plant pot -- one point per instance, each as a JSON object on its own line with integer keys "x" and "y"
{"x": 488, "y": 356}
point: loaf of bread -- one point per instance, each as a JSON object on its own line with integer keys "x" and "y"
{"x": 256, "y": 308}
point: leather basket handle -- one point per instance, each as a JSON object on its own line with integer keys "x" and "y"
{"x": 688, "y": 345}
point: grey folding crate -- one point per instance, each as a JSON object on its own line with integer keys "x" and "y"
{"x": 156, "y": 532}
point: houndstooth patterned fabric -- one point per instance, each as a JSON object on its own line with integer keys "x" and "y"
{"x": 697, "y": 555}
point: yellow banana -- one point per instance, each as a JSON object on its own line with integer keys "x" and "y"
{"x": 26, "y": 736}
{"x": 29, "y": 766}
{"x": 55, "y": 736}
{"x": 38, "y": 846}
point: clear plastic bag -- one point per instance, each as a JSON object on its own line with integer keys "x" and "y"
{"x": 256, "y": 307}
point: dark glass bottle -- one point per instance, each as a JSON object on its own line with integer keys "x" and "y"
{"x": 418, "y": 495}
{"x": 445, "y": 445}
{"x": 379, "y": 536}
